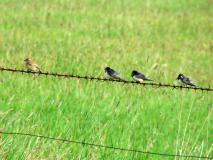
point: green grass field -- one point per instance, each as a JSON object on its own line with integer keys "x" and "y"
{"x": 158, "y": 37}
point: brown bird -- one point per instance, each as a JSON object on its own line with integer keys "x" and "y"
{"x": 31, "y": 66}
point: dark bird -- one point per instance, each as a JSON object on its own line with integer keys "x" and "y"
{"x": 112, "y": 74}
{"x": 183, "y": 80}
{"x": 31, "y": 66}
{"x": 139, "y": 77}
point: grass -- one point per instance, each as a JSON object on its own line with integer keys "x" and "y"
{"x": 159, "y": 38}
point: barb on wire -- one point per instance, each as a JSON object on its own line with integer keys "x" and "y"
{"x": 158, "y": 85}
{"x": 103, "y": 146}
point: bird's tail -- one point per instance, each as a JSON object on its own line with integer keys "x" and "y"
{"x": 191, "y": 84}
{"x": 38, "y": 69}
{"x": 121, "y": 79}
{"x": 147, "y": 79}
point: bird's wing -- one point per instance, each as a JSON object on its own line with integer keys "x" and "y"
{"x": 37, "y": 67}
{"x": 141, "y": 76}
{"x": 188, "y": 81}
{"x": 113, "y": 73}
{"x": 117, "y": 76}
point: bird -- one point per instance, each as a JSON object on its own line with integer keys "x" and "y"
{"x": 139, "y": 77}
{"x": 31, "y": 66}
{"x": 183, "y": 80}
{"x": 112, "y": 74}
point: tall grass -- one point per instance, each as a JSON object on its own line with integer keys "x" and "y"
{"x": 159, "y": 38}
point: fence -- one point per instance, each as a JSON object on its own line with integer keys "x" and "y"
{"x": 157, "y": 85}
{"x": 103, "y": 146}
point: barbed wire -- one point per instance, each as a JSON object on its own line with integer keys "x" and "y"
{"x": 104, "y": 146}
{"x": 157, "y": 85}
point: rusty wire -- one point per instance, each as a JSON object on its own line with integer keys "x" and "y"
{"x": 103, "y": 146}
{"x": 87, "y": 77}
